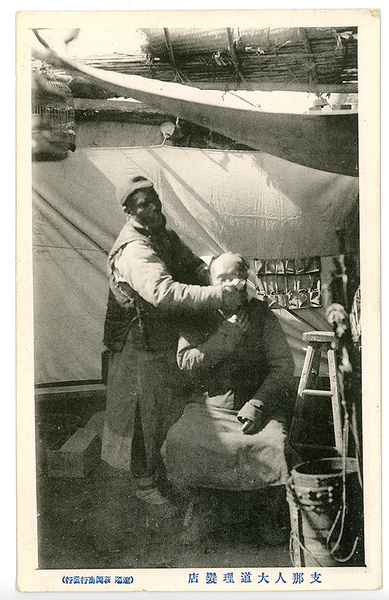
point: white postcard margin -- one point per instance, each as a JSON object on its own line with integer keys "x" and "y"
{"x": 32, "y": 579}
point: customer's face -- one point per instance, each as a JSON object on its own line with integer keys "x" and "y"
{"x": 227, "y": 269}
{"x": 146, "y": 208}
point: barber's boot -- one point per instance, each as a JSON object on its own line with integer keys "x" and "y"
{"x": 148, "y": 492}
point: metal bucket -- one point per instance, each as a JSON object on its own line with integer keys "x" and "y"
{"x": 325, "y": 505}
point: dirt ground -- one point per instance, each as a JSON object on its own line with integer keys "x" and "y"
{"x": 97, "y": 522}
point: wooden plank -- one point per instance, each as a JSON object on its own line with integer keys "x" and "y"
{"x": 63, "y": 388}
{"x": 79, "y": 441}
{"x": 80, "y": 454}
{"x": 318, "y": 336}
{"x": 308, "y": 392}
{"x": 96, "y": 423}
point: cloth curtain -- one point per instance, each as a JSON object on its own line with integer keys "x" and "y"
{"x": 250, "y": 202}
{"x": 216, "y": 200}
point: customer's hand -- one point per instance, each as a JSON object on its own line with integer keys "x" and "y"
{"x": 240, "y": 319}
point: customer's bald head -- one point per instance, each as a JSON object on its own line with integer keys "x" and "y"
{"x": 228, "y": 267}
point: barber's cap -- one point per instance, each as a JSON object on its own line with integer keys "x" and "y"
{"x": 131, "y": 185}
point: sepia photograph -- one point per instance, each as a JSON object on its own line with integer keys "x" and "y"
{"x": 198, "y": 376}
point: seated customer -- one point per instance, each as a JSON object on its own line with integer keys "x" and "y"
{"x": 231, "y": 435}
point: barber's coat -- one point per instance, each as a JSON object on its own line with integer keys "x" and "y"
{"x": 149, "y": 280}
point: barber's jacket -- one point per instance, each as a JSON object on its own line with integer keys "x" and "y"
{"x": 250, "y": 372}
{"x": 153, "y": 280}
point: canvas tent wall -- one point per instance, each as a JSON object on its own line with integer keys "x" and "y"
{"x": 249, "y": 202}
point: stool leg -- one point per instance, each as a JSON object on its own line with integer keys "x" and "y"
{"x": 336, "y": 409}
{"x": 311, "y": 367}
{"x": 308, "y": 379}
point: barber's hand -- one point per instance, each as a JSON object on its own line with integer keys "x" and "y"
{"x": 248, "y": 426}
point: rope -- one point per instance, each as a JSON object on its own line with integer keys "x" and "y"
{"x": 342, "y": 510}
{"x": 295, "y": 538}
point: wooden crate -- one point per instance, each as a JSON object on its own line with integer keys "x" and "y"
{"x": 80, "y": 454}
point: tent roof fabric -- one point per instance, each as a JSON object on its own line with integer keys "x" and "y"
{"x": 326, "y": 141}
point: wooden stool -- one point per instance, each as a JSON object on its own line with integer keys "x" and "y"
{"x": 317, "y": 341}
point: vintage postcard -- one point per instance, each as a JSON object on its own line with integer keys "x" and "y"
{"x": 198, "y": 301}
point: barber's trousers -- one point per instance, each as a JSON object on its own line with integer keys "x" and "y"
{"x": 146, "y": 394}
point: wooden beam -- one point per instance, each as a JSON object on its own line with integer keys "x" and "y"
{"x": 312, "y": 75}
{"x": 169, "y": 46}
{"x": 112, "y": 105}
{"x": 234, "y": 58}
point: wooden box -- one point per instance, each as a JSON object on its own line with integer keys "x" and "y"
{"x": 80, "y": 454}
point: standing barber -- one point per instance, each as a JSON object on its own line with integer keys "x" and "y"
{"x": 153, "y": 279}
